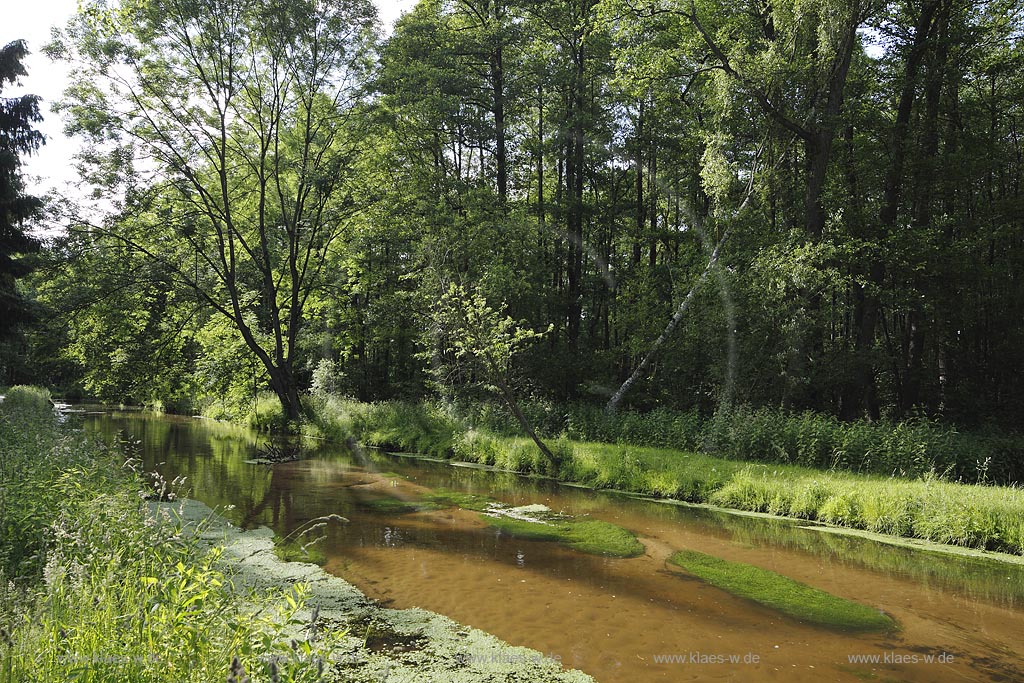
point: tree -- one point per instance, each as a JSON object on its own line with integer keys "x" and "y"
{"x": 230, "y": 131}
{"x": 17, "y": 137}
{"x": 487, "y": 339}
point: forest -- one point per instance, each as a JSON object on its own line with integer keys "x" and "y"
{"x": 803, "y": 206}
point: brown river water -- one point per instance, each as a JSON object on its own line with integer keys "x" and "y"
{"x": 632, "y": 620}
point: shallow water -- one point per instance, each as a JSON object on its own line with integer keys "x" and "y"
{"x": 628, "y": 620}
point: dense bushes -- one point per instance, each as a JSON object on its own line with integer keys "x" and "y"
{"x": 29, "y": 401}
{"x": 97, "y": 585}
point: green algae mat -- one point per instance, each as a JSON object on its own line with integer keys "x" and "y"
{"x": 792, "y": 598}
{"x": 590, "y": 536}
{"x": 537, "y": 523}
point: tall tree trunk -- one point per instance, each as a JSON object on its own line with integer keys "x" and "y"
{"x": 498, "y": 93}
{"x": 867, "y": 304}
{"x": 574, "y": 185}
{"x": 641, "y": 216}
{"x": 285, "y": 386}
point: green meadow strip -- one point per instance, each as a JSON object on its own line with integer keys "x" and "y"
{"x": 778, "y": 592}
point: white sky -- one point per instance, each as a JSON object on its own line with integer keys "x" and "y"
{"x": 32, "y": 20}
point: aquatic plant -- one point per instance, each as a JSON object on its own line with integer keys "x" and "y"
{"x": 778, "y": 592}
{"x": 591, "y": 536}
{"x": 537, "y": 523}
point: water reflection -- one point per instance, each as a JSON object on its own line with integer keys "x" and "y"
{"x": 211, "y": 456}
{"x": 604, "y": 615}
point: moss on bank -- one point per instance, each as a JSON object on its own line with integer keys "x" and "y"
{"x": 792, "y": 598}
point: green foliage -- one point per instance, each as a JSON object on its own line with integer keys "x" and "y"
{"x": 420, "y": 428}
{"x": 480, "y": 333}
{"x": 96, "y": 584}
{"x": 778, "y": 592}
{"x": 27, "y": 400}
{"x": 267, "y": 415}
{"x": 911, "y": 448}
{"x": 18, "y": 138}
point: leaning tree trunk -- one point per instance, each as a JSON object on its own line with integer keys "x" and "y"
{"x": 616, "y": 399}
{"x": 509, "y": 398}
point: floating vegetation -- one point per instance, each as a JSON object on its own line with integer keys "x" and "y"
{"x": 589, "y": 536}
{"x": 792, "y": 598}
{"x": 467, "y": 501}
{"x": 397, "y": 506}
{"x": 539, "y": 523}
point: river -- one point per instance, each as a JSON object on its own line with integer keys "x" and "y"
{"x": 635, "y": 620}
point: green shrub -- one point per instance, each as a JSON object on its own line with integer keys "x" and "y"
{"x": 267, "y": 415}
{"x": 27, "y": 400}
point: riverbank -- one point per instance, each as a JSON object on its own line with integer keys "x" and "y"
{"x": 928, "y": 507}
{"x": 104, "y": 576}
{"x": 378, "y": 644}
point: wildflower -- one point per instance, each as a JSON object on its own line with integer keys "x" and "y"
{"x": 237, "y": 672}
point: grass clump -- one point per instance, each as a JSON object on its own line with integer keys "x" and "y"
{"x": 97, "y": 584}
{"x": 295, "y": 551}
{"x": 792, "y": 598}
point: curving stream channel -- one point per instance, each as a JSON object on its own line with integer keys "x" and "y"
{"x": 631, "y": 620}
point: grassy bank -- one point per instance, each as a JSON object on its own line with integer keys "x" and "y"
{"x": 926, "y": 507}
{"x": 910, "y": 448}
{"x": 95, "y": 586}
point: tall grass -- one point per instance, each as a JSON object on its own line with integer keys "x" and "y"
{"x": 97, "y": 585}
{"x": 910, "y": 448}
